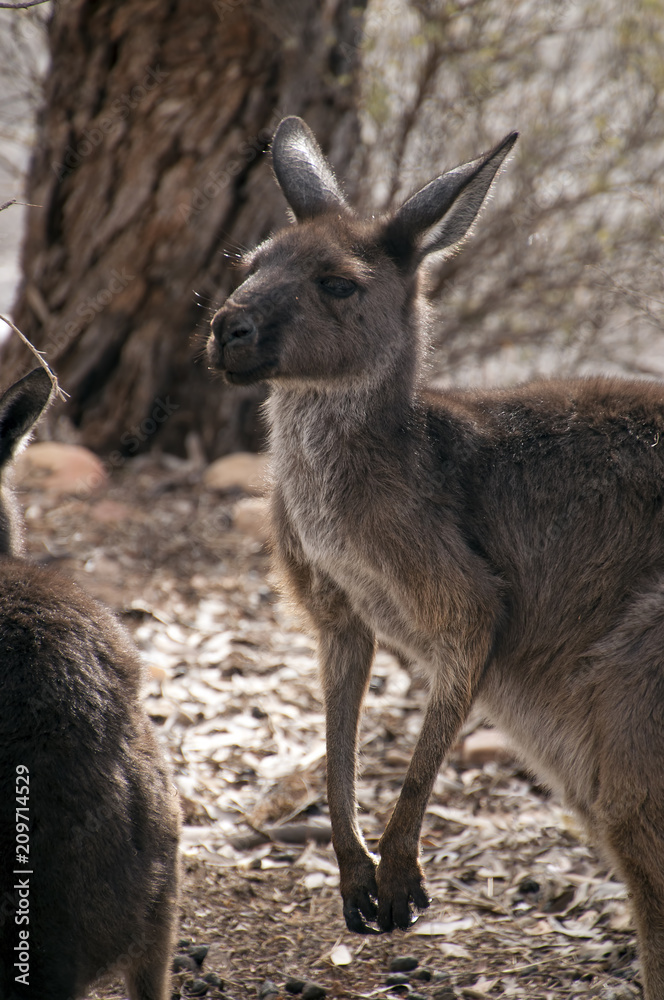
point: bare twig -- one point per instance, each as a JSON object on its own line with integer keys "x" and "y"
{"x": 64, "y": 396}
{"x": 23, "y": 5}
{"x": 15, "y": 201}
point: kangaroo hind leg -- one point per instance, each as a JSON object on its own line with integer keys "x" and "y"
{"x": 628, "y": 813}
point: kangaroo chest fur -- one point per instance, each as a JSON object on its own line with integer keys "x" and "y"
{"x": 358, "y": 520}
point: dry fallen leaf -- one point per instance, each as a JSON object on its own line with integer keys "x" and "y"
{"x": 341, "y": 955}
{"x": 435, "y": 928}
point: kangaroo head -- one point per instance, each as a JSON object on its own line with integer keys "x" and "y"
{"x": 332, "y": 297}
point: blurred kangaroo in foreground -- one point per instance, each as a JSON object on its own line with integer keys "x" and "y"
{"x": 510, "y": 541}
{"x": 89, "y": 816}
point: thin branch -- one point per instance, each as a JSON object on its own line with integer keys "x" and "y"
{"x": 15, "y": 201}
{"x": 64, "y": 396}
{"x": 22, "y": 6}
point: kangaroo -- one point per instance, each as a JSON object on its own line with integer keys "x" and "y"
{"x": 89, "y": 818}
{"x": 510, "y": 541}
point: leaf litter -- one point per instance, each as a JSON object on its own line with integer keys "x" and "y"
{"x": 522, "y": 906}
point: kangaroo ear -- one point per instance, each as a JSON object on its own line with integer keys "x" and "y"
{"x": 442, "y": 213}
{"x": 20, "y": 408}
{"x": 303, "y": 173}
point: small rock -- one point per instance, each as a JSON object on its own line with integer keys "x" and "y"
{"x": 268, "y": 989}
{"x": 620, "y": 993}
{"x": 185, "y": 943}
{"x": 484, "y": 746}
{"x": 312, "y": 991}
{"x": 424, "y": 975}
{"x": 240, "y": 471}
{"x": 403, "y": 963}
{"x": 250, "y": 517}
{"x": 528, "y": 885}
{"x": 196, "y": 987}
{"x": 213, "y": 979}
{"x": 198, "y": 952}
{"x": 396, "y": 979}
{"x": 414, "y": 995}
{"x": 444, "y": 993}
{"x": 60, "y": 468}
{"x": 294, "y": 985}
{"x": 184, "y": 963}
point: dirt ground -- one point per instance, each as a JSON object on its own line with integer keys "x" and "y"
{"x": 521, "y": 905}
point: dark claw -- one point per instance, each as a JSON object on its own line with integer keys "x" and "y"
{"x": 355, "y": 922}
{"x": 397, "y": 910}
{"x": 400, "y": 916}
{"x": 391, "y": 906}
{"x": 359, "y": 893}
{"x": 421, "y": 900}
{"x": 359, "y": 913}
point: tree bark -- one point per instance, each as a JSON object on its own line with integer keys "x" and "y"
{"x": 149, "y": 170}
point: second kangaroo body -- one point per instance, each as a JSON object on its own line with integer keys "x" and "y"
{"x": 511, "y": 542}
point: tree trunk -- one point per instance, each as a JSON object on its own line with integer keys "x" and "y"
{"x": 149, "y": 171}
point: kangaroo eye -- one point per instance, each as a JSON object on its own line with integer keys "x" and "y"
{"x": 341, "y": 288}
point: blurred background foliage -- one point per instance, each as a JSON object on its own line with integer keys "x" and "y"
{"x": 563, "y": 274}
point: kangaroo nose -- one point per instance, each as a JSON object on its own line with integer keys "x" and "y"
{"x": 236, "y": 327}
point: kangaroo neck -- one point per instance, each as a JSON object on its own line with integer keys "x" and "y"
{"x": 331, "y": 419}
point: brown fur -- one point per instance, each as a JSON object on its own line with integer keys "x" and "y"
{"x": 103, "y": 811}
{"x": 510, "y": 541}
